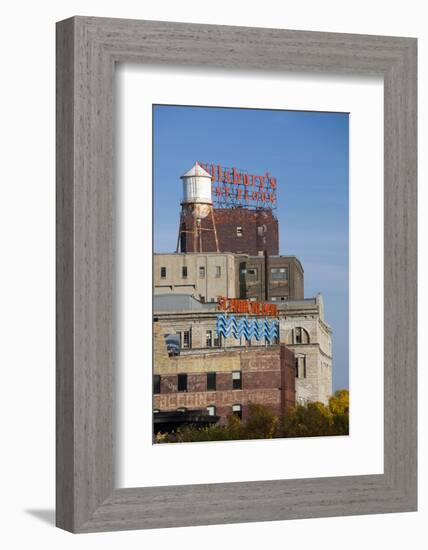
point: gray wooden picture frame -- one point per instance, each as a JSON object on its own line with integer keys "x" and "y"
{"x": 87, "y": 50}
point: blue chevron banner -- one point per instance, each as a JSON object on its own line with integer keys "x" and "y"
{"x": 249, "y": 328}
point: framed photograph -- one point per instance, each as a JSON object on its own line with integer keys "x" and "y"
{"x": 236, "y": 274}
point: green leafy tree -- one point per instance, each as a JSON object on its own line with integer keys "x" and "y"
{"x": 313, "y": 420}
{"x": 261, "y": 424}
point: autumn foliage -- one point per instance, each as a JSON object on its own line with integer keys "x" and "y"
{"x": 311, "y": 420}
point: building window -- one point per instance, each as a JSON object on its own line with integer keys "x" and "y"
{"x": 163, "y": 272}
{"x": 301, "y": 336}
{"x": 201, "y": 272}
{"x": 182, "y": 382}
{"x": 239, "y": 231}
{"x": 209, "y": 338}
{"x": 211, "y": 410}
{"x": 181, "y": 410}
{"x": 261, "y": 230}
{"x": 186, "y": 339}
{"x": 156, "y": 384}
{"x": 300, "y": 366}
{"x": 273, "y": 298}
{"x": 236, "y": 380}
{"x": 250, "y": 272}
{"x": 211, "y": 381}
{"x": 237, "y": 411}
{"x": 279, "y": 273}
{"x": 218, "y": 271}
{"x": 217, "y": 339}
{"x": 184, "y": 272}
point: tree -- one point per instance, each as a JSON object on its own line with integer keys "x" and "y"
{"x": 313, "y": 420}
{"x": 339, "y": 408}
{"x": 262, "y": 423}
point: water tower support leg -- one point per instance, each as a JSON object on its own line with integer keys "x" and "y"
{"x": 215, "y": 230}
{"x": 179, "y": 231}
{"x": 195, "y": 235}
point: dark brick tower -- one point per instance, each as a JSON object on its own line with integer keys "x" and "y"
{"x": 239, "y": 230}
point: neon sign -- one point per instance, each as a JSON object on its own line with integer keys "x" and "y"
{"x": 260, "y": 329}
{"x": 233, "y": 305}
{"x": 236, "y": 187}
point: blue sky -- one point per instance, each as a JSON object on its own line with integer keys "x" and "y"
{"x": 308, "y": 154}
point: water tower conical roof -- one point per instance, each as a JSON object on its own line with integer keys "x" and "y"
{"x": 196, "y": 170}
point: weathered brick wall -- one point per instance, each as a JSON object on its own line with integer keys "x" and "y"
{"x": 288, "y": 379}
{"x": 267, "y": 379}
{"x": 227, "y": 220}
{"x": 222, "y": 400}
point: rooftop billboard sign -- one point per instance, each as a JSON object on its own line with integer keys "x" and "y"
{"x": 233, "y": 187}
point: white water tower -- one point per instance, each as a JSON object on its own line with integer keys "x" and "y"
{"x": 197, "y": 201}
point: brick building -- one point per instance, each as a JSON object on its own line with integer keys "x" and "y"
{"x": 303, "y": 330}
{"x": 223, "y": 381}
{"x": 233, "y": 252}
{"x": 239, "y": 230}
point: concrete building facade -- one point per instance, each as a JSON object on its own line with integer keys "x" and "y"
{"x": 304, "y": 330}
{"x": 202, "y": 275}
{"x": 271, "y": 278}
{"x": 209, "y": 275}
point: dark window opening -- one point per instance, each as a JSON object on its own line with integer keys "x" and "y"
{"x": 300, "y": 367}
{"x": 211, "y": 381}
{"x": 156, "y": 384}
{"x": 237, "y": 411}
{"x": 163, "y": 272}
{"x": 237, "y": 380}
{"x": 182, "y": 382}
{"x": 217, "y": 339}
{"x": 186, "y": 339}
{"x": 301, "y": 336}
{"x": 184, "y": 272}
